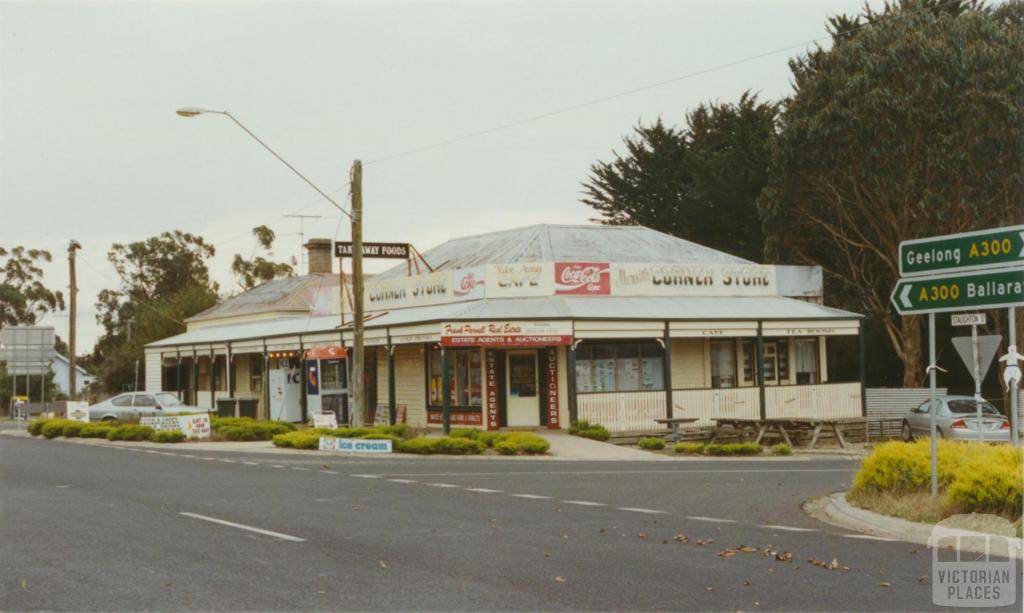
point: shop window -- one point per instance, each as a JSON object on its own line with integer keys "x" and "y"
{"x": 466, "y": 373}
{"x": 807, "y": 361}
{"x": 255, "y": 373}
{"x": 723, "y": 364}
{"x": 620, "y": 367}
{"x": 333, "y": 375}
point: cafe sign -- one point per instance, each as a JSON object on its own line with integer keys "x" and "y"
{"x": 506, "y": 334}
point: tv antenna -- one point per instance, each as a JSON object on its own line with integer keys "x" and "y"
{"x": 302, "y": 236}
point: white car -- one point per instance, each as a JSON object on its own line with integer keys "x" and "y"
{"x": 132, "y": 405}
{"x": 957, "y": 419}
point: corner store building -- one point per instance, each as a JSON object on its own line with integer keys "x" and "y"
{"x": 534, "y": 327}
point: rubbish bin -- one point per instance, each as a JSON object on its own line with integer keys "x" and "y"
{"x": 247, "y": 408}
{"x": 226, "y": 407}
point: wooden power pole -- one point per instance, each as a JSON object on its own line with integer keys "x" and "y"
{"x": 73, "y": 302}
{"x": 358, "y": 374}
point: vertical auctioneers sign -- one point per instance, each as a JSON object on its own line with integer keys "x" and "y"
{"x": 551, "y": 387}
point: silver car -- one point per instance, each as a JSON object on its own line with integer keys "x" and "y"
{"x": 956, "y": 418}
{"x": 132, "y": 405}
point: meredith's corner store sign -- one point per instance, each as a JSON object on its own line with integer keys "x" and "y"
{"x": 573, "y": 279}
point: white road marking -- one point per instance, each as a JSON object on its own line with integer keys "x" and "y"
{"x": 150, "y": 451}
{"x": 276, "y": 466}
{"x": 210, "y": 459}
{"x": 442, "y": 485}
{"x": 483, "y": 490}
{"x": 283, "y": 537}
{"x": 330, "y": 472}
{"x": 641, "y": 510}
{"x": 630, "y": 472}
{"x": 300, "y": 468}
{"x": 188, "y": 455}
{"x": 62, "y": 486}
{"x": 789, "y": 528}
{"x": 251, "y": 463}
{"x": 228, "y": 461}
{"x": 366, "y": 476}
{"x": 585, "y": 503}
{"x": 401, "y": 480}
{"x": 868, "y": 537}
{"x": 530, "y": 496}
{"x": 718, "y": 520}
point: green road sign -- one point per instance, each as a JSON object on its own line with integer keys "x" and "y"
{"x": 984, "y": 289}
{"x": 968, "y": 251}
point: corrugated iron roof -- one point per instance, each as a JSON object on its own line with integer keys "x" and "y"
{"x": 547, "y": 307}
{"x": 278, "y": 295}
{"x": 567, "y": 243}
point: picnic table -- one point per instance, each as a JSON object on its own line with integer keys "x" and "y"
{"x": 675, "y": 423}
{"x": 779, "y": 424}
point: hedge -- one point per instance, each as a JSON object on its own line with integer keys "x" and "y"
{"x": 130, "y": 433}
{"x": 690, "y": 448}
{"x": 97, "y": 430}
{"x": 782, "y": 449}
{"x": 974, "y": 477}
{"x": 248, "y": 429}
{"x": 301, "y": 439}
{"x": 441, "y": 445}
{"x": 505, "y": 443}
{"x": 167, "y": 436}
{"x": 733, "y": 449}
{"x": 35, "y": 427}
{"x": 52, "y": 428}
{"x": 651, "y": 442}
{"x": 586, "y": 429}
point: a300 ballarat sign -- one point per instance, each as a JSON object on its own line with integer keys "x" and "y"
{"x": 998, "y": 247}
{"x": 986, "y": 289}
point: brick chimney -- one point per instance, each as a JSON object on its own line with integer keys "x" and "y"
{"x": 321, "y": 258}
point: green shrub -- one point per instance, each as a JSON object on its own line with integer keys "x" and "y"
{"x": 733, "y": 449}
{"x": 506, "y": 447}
{"x": 442, "y": 445}
{"x": 472, "y": 433}
{"x": 581, "y": 424}
{"x": 489, "y": 438}
{"x": 35, "y": 427}
{"x": 130, "y": 433}
{"x": 52, "y": 428}
{"x": 300, "y": 439}
{"x": 525, "y": 443}
{"x": 597, "y": 433}
{"x": 989, "y": 482}
{"x": 782, "y": 449}
{"x": 73, "y": 429}
{"x": 690, "y": 448}
{"x": 167, "y": 436}
{"x": 901, "y": 467}
{"x": 248, "y": 429}
{"x": 381, "y": 436}
{"x": 400, "y": 430}
{"x": 97, "y": 430}
{"x": 651, "y": 442}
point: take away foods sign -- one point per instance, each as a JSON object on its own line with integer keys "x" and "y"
{"x": 506, "y": 334}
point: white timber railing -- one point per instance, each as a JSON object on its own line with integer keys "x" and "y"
{"x": 821, "y": 401}
{"x": 622, "y": 411}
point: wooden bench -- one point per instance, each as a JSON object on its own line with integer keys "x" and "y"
{"x": 780, "y": 424}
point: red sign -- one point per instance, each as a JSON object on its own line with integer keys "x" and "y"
{"x": 461, "y": 418}
{"x": 583, "y": 279}
{"x": 551, "y": 388}
{"x": 508, "y": 340}
{"x": 325, "y": 353}
{"x": 493, "y": 422}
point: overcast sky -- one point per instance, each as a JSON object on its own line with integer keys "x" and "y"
{"x": 91, "y": 149}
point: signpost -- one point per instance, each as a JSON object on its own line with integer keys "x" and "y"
{"x": 957, "y": 272}
{"x": 964, "y": 251}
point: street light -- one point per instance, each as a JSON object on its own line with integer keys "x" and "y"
{"x": 356, "y": 180}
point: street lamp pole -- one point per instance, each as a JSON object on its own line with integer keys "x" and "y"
{"x": 358, "y": 392}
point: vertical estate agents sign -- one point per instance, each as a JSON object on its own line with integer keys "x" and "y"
{"x": 491, "y": 361}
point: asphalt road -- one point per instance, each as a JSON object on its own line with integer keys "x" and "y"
{"x": 95, "y": 527}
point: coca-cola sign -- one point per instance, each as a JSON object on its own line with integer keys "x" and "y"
{"x": 468, "y": 284}
{"x": 582, "y": 278}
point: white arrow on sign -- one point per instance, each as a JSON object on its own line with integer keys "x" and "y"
{"x": 905, "y": 296}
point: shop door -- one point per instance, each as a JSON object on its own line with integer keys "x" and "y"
{"x": 523, "y": 405}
